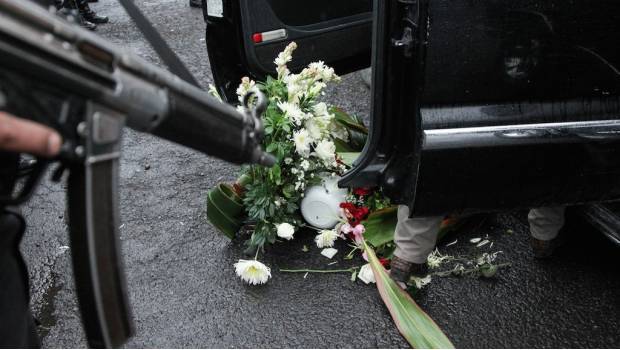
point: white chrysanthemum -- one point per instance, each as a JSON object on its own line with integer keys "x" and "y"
{"x": 252, "y": 271}
{"x": 420, "y": 282}
{"x": 435, "y": 259}
{"x": 285, "y": 230}
{"x": 302, "y": 140}
{"x": 245, "y": 86}
{"x": 366, "y": 274}
{"x": 293, "y": 112}
{"x": 315, "y": 128}
{"x": 325, "y": 238}
{"x": 326, "y": 151}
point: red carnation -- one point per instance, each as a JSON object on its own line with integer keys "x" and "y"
{"x": 362, "y": 191}
{"x": 353, "y": 213}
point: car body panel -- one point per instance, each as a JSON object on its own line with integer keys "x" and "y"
{"x": 476, "y": 105}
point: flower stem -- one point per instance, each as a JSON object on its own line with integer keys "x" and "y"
{"x": 320, "y": 271}
{"x": 447, "y": 273}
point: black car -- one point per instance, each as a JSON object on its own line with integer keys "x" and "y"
{"x": 476, "y": 105}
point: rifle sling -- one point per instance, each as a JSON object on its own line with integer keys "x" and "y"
{"x": 158, "y": 43}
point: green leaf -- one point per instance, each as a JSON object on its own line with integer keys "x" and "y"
{"x": 342, "y": 146}
{"x": 412, "y": 322}
{"x": 380, "y": 226}
{"x": 348, "y": 121}
{"x": 348, "y": 157}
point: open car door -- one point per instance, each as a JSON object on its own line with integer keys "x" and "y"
{"x": 244, "y": 36}
{"x": 490, "y": 105}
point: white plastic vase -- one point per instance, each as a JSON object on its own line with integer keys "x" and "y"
{"x": 321, "y": 204}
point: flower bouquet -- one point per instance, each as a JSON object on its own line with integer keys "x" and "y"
{"x": 314, "y": 144}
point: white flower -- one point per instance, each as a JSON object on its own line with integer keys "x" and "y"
{"x": 245, "y": 86}
{"x": 293, "y": 112}
{"x": 285, "y": 230}
{"x": 366, "y": 274}
{"x": 314, "y": 128}
{"x": 252, "y": 271}
{"x": 305, "y": 164}
{"x": 277, "y": 203}
{"x": 288, "y": 161}
{"x": 325, "y": 238}
{"x": 302, "y": 140}
{"x": 421, "y": 281}
{"x": 316, "y": 88}
{"x": 321, "y": 71}
{"x": 435, "y": 259}
{"x": 326, "y": 151}
{"x": 283, "y": 58}
{"x": 320, "y": 109}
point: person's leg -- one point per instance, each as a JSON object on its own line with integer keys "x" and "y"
{"x": 17, "y": 329}
{"x": 545, "y": 223}
{"x": 415, "y": 239}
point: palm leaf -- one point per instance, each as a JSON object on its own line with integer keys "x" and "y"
{"x": 380, "y": 226}
{"x": 412, "y": 322}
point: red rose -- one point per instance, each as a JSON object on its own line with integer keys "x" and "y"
{"x": 384, "y": 262}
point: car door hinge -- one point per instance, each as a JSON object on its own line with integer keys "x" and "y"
{"x": 408, "y": 40}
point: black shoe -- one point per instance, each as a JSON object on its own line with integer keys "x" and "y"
{"x": 195, "y": 3}
{"x": 90, "y": 15}
{"x": 401, "y": 270}
{"x": 544, "y": 249}
{"x": 87, "y": 24}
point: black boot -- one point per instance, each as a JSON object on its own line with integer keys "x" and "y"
{"x": 70, "y": 8}
{"x": 89, "y": 14}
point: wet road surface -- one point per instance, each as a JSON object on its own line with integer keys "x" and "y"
{"x": 184, "y": 291}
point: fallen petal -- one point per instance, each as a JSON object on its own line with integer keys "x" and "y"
{"x": 485, "y": 242}
{"x": 451, "y": 243}
{"x": 329, "y": 252}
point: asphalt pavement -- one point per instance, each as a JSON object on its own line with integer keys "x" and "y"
{"x": 182, "y": 284}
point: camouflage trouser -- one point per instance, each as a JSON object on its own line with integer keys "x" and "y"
{"x": 415, "y": 237}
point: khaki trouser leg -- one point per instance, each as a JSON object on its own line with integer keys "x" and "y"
{"x": 415, "y": 238}
{"x": 545, "y": 223}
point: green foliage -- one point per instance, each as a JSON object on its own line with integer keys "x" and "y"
{"x": 380, "y": 226}
{"x": 412, "y": 322}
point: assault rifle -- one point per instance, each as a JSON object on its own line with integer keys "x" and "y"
{"x": 55, "y": 73}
